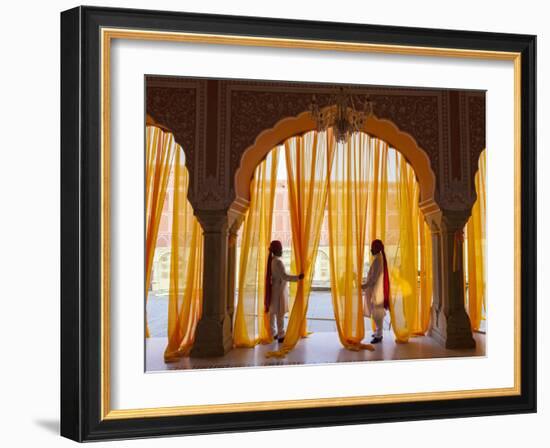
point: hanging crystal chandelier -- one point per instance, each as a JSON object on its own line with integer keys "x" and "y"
{"x": 345, "y": 117}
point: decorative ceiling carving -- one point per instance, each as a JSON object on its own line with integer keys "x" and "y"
{"x": 178, "y": 105}
{"x": 476, "y": 128}
{"x": 246, "y": 108}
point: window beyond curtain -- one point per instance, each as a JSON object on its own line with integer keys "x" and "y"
{"x": 160, "y": 148}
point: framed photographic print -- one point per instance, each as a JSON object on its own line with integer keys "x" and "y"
{"x": 273, "y": 223}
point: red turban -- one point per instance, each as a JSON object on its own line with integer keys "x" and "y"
{"x": 377, "y": 246}
{"x": 275, "y": 246}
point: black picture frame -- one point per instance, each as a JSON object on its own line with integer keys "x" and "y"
{"x": 81, "y": 224}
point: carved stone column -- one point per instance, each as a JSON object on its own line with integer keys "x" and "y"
{"x": 236, "y": 216}
{"x": 213, "y": 336}
{"x": 437, "y": 326}
{"x": 231, "y": 271}
{"x": 450, "y": 323}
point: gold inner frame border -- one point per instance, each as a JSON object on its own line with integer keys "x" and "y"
{"x": 107, "y": 35}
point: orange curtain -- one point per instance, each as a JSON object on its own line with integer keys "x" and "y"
{"x": 251, "y": 322}
{"x": 308, "y": 162}
{"x": 425, "y": 268}
{"x": 160, "y": 150}
{"x": 377, "y": 210}
{"x": 420, "y": 320}
{"x": 356, "y": 179}
{"x": 475, "y": 246}
{"x": 394, "y": 199}
{"x": 186, "y": 264}
{"x": 347, "y": 217}
{"x": 377, "y": 206}
{"x": 403, "y": 265}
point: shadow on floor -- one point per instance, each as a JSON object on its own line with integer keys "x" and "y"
{"x": 318, "y": 348}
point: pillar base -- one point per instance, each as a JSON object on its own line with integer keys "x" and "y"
{"x": 450, "y": 325}
{"x": 213, "y": 338}
{"x": 452, "y": 332}
{"x": 437, "y": 329}
{"x": 459, "y": 331}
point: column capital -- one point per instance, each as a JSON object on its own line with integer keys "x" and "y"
{"x": 236, "y": 217}
{"x": 453, "y": 220}
{"x": 448, "y": 221}
{"x": 212, "y": 221}
{"x": 231, "y": 239}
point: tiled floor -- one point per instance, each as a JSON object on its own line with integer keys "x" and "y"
{"x": 318, "y": 348}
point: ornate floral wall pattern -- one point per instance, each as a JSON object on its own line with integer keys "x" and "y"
{"x": 247, "y": 108}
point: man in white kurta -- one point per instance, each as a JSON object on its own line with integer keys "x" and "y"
{"x": 278, "y": 306}
{"x": 373, "y": 288}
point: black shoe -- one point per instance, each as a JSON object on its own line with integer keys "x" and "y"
{"x": 376, "y": 340}
{"x": 281, "y": 340}
{"x": 275, "y": 338}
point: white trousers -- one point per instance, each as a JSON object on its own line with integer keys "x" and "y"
{"x": 378, "y": 314}
{"x": 277, "y": 323}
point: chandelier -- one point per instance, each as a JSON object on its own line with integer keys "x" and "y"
{"x": 348, "y": 115}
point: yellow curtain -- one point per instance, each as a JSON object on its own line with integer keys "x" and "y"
{"x": 362, "y": 174}
{"x": 186, "y": 263}
{"x": 308, "y": 160}
{"x": 251, "y": 322}
{"x": 426, "y": 276}
{"x": 475, "y": 236}
{"x": 160, "y": 150}
{"x": 378, "y": 190}
{"x": 377, "y": 207}
{"x": 419, "y": 321}
{"x": 347, "y": 218}
{"x": 403, "y": 265}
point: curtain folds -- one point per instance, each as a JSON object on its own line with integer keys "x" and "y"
{"x": 159, "y": 154}
{"x": 186, "y": 264}
{"x": 308, "y": 163}
{"x": 377, "y": 206}
{"x": 378, "y": 189}
{"x": 394, "y": 196}
{"x": 475, "y": 242}
{"x": 405, "y": 297}
{"x": 425, "y": 267}
{"x": 251, "y": 322}
{"x": 348, "y": 191}
{"x": 363, "y": 187}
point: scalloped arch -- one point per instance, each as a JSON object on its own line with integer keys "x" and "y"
{"x": 290, "y": 126}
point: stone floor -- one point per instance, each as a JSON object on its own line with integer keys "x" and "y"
{"x": 318, "y": 348}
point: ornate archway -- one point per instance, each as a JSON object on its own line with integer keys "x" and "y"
{"x": 290, "y": 126}
{"x": 228, "y": 126}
